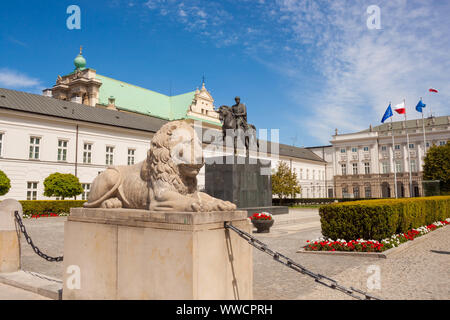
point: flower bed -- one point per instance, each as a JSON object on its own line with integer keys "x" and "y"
{"x": 42, "y": 215}
{"x": 361, "y": 245}
{"x": 261, "y": 216}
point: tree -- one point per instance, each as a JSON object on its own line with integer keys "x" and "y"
{"x": 5, "y": 183}
{"x": 284, "y": 182}
{"x": 62, "y": 185}
{"x": 437, "y": 166}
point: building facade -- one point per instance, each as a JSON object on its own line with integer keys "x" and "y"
{"x": 364, "y": 164}
{"x": 87, "y": 122}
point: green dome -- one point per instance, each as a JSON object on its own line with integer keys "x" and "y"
{"x": 80, "y": 62}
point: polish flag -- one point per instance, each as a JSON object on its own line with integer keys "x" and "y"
{"x": 400, "y": 108}
{"x": 433, "y": 90}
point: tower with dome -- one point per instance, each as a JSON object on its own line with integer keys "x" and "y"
{"x": 85, "y": 86}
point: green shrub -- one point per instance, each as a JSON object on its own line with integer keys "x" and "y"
{"x": 5, "y": 183}
{"x": 63, "y": 185}
{"x": 379, "y": 219}
{"x": 32, "y": 207}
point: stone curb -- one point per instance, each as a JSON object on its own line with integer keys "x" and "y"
{"x": 383, "y": 255}
{"x": 33, "y": 282}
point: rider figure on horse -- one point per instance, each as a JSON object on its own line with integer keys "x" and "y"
{"x": 240, "y": 114}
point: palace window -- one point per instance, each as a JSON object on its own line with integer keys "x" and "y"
{"x": 301, "y": 174}
{"x": 383, "y": 148}
{"x": 354, "y": 150}
{"x": 109, "y": 155}
{"x": 344, "y": 169}
{"x": 343, "y": 150}
{"x": 411, "y": 145}
{"x": 87, "y": 153}
{"x": 356, "y": 191}
{"x": 32, "y": 190}
{"x": 366, "y": 167}
{"x": 413, "y": 165}
{"x": 398, "y": 166}
{"x": 397, "y": 147}
{"x": 131, "y": 156}
{"x": 366, "y": 149}
{"x": 1, "y": 143}
{"x": 385, "y": 167}
{"x": 314, "y": 175}
{"x": 307, "y": 174}
{"x": 62, "y": 150}
{"x": 442, "y": 143}
{"x": 368, "y": 192}
{"x": 86, "y": 189}
{"x": 34, "y": 147}
{"x": 355, "y": 168}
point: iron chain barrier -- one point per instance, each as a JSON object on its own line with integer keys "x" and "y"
{"x": 30, "y": 242}
{"x": 328, "y": 282}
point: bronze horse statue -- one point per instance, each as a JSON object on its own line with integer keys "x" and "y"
{"x": 229, "y": 122}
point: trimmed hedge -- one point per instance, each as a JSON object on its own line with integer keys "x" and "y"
{"x": 379, "y": 219}
{"x": 33, "y": 207}
{"x": 307, "y": 201}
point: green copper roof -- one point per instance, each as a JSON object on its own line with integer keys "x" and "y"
{"x": 132, "y": 98}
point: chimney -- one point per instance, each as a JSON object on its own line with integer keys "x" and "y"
{"x": 76, "y": 99}
{"x": 111, "y": 103}
{"x": 47, "y": 93}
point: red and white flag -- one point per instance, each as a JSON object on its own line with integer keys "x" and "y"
{"x": 400, "y": 108}
{"x": 433, "y": 90}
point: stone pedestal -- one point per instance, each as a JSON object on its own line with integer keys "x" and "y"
{"x": 239, "y": 180}
{"x": 9, "y": 236}
{"x": 138, "y": 254}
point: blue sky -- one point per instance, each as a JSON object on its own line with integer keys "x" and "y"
{"x": 305, "y": 67}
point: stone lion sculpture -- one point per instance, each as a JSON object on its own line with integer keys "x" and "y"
{"x": 165, "y": 181}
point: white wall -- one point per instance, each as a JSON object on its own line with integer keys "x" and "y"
{"x": 17, "y": 129}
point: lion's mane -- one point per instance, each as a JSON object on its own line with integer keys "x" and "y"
{"x": 159, "y": 165}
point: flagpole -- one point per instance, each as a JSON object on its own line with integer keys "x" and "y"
{"x": 424, "y": 136}
{"x": 393, "y": 158}
{"x": 409, "y": 154}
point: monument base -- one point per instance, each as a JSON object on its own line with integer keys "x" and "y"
{"x": 242, "y": 181}
{"x": 138, "y": 254}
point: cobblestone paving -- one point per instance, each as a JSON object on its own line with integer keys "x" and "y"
{"x": 421, "y": 272}
{"x": 417, "y": 273}
{"x": 48, "y": 235}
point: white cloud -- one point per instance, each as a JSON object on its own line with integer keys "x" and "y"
{"x": 341, "y": 74}
{"x": 13, "y": 79}
{"x": 364, "y": 69}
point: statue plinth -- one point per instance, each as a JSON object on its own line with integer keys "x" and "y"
{"x": 243, "y": 181}
{"x": 139, "y": 254}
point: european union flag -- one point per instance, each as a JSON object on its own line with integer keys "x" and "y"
{"x": 420, "y": 106}
{"x": 387, "y": 114}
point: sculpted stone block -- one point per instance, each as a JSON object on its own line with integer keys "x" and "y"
{"x": 165, "y": 181}
{"x": 139, "y": 254}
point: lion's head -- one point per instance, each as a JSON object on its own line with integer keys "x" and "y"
{"x": 175, "y": 157}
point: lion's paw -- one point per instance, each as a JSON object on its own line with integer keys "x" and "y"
{"x": 112, "y": 203}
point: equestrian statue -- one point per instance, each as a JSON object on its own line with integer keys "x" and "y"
{"x": 235, "y": 119}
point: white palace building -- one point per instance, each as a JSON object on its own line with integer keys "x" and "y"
{"x": 87, "y": 121}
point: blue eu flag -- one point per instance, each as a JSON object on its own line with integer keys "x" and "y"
{"x": 387, "y": 114}
{"x": 420, "y": 106}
